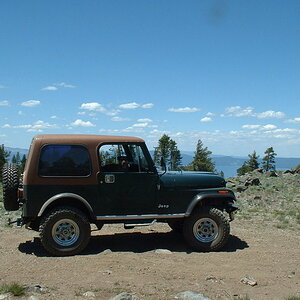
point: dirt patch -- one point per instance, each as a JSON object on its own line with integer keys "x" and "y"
{"x": 270, "y": 255}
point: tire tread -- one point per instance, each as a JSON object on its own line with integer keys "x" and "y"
{"x": 10, "y": 180}
{"x": 223, "y": 223}
{"x": 46, "y": 242}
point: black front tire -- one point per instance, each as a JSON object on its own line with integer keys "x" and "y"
{"x": 10, "y": 179}
{"x": 65, "y": 231}
{"x": 206, "y": 230}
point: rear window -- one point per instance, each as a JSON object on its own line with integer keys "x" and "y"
{"x": 64, "y": 160}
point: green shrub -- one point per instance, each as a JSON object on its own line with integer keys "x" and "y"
{"x": 293, "y": 298}
{"x": 13, "y": 288}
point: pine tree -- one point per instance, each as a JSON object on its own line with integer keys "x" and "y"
{"x": 162, "y": 150}
{"x": 202, "y": 161}
{"x": 23, "y": 162}
{"x": 249, "y": 165}
{"x": 269, "y": 160}
{"x": 243, "y": 169}
{"x": 4, "y": 154}
{"x": 167, "y": 149}
{"x": 253, "y": 161}
{"x": 175, "y": 156}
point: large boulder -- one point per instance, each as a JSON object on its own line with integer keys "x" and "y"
{"x": 252, "y": 181}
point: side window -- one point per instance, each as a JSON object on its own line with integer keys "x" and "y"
{"x": 122, "y": 158}
{"x": 64, "y": 160}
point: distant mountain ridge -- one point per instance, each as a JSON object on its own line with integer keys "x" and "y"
{"x": 13, "y": 151}
{"x": 225, "y": 163}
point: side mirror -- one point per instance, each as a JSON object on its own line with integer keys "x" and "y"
{"x": 163, "y": 163}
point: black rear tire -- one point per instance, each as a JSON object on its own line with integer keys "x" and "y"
{"x": 65, "y": 231}
{"x": 10, "y": 178}
{"x": 206, "y": 230}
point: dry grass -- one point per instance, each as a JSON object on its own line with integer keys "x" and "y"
{"x": 276, "y": 200}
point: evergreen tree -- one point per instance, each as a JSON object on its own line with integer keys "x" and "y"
{"x": 250, "y": 165}
{"x": 253, "y": 161}
{"x": 175, "y": 156}
{"x": 163, "y": 149}
{"x": 202, "y": 161}
{"x": 4, "y": 154}
{"x": 167, "y": 149}
{"x": 243, "y": 169}
{"x": 18, "y": 159}
{"x": 269, "y": 160}
{"x": 23, "y": 162}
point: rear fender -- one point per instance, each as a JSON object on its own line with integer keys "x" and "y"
{"x": 70, "y": 196}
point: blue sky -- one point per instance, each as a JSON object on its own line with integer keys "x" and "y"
{"x": 225, "y": 72}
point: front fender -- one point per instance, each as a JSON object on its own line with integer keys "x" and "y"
{"x": 224, "y": 198}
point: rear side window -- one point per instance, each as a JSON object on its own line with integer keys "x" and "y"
{"x": 64, "y": 160}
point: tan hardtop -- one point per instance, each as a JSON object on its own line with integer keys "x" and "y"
{"x": 87, "y": 139}
{"x": 92, "y": 142}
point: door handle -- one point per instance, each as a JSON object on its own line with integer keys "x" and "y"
{"x": 109, "y": 178}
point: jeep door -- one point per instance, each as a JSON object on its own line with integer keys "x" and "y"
{"x": 128, "y": 181}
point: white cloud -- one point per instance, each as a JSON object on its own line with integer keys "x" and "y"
{"x": 251, "y": 126}
{"x": 147, "y": 105}
{"x": 53, "y": 117}
{"x": 6, "y": 126}
{"x": 119, "y": 119}
{"x": 31, "y": 103}
{"x": 144, "y": 120}
{"x": 56, "y": 86}
{"x": 206, "y": 119}
{"x": 81, "y": 123}
{"x": 49, "y": 88}
{"x": 184, "y": 109}
{"x": 269, "y": 127}
{"x": 85, "y": 113}
{"x": 65, "y": 85}
{"x": 38, "y": 126}
{"x": 134, "y": 105}
{"x": 295, "y": 120}
{"x": 270, "y": 114}
{"x": 210, "y": 114}
{"x": 131, "y": 105}
{"x": 287, "y": 130}
{"x": 4, "y": 103}
{"x": 238, "y": 111}
{"x": 20, "y": 113}
{"x": 92, "y": 106}
{"x": 260, "y": 127}
{"x": 140, "y": 125}
{"x": 98, "y": 107}
{"x": 2, "y": 86}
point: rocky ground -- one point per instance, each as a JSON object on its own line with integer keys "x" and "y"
{"x": 260, "y": 261}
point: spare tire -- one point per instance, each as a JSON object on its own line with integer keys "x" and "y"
{"x": 10, "y": 178}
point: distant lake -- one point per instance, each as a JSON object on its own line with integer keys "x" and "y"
{"x": 229, "y": 171}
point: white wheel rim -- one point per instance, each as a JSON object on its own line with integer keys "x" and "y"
{"x": 65, "y": 232}
{"x": 205, "y": 230}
